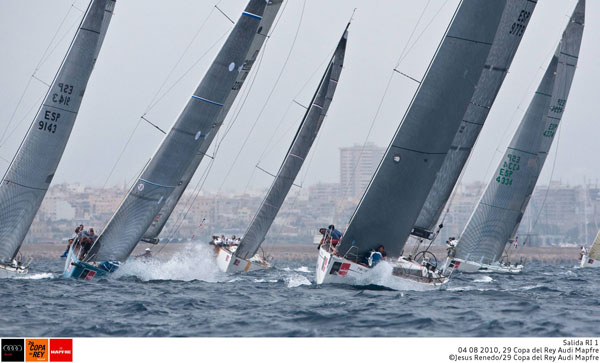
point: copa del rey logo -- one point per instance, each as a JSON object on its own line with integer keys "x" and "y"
{"x": 61, "y": 350}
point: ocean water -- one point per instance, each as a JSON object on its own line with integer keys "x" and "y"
{"x": 187, "y": 296}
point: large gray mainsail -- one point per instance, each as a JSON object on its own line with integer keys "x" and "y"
{"x": 512, "y": 27}
{"x": 395, "y": 196}
{"x": 303, "y": 140}
{"x": 189, "y": 136}
{"x": 496, "y": 218}
{"x": 161, "y": 218}
{"x": 31, "y": 171}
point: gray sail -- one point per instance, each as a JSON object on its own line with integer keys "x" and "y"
{"x": 305, "y": 136}
{"x": 161, "y": 218}
{"x": 190, "y": 134}
{"x": 31, "y": 171}
{"x": 498, "y": 214}
{"x": 395, "y": 196}
{"x": 512, "y": 27}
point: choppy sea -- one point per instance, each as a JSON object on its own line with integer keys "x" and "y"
{"x": 186, "y": 295}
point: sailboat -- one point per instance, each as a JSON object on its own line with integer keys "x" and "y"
{"x": 455, "y": 81}
{"x": 32, "y": 169}
{"x": 244, "y": 257}
{"x": 592, "y": 258}
{"x": 497, "y": 217}
{"x": 170, "y": 170}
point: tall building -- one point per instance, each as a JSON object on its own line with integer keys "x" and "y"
{"x": 357, "y": 166}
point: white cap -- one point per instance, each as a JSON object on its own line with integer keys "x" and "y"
{"x": 147, "y": 249}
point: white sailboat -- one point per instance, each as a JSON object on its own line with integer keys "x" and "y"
{"x": 592, "y": 258}
{"x": 32, "y": 169}
{"x": 244, "y": 257}
{"x": 436, "y": 134}
{"x": 497, "y": 217}
{"x": 145, "y": 209}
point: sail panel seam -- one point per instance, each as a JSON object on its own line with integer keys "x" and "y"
{"x": 250, "y": 15}
{"x": 523, "y": 151}
{"x": 207, "y": 101}
{"x": 7, "y": 181}
{"x": 469, "y": 40}
{"x": 418, "y": 151}
{"x": 156, "y": 184}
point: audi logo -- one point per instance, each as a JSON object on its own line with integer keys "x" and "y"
{"x": 12, "y": 348}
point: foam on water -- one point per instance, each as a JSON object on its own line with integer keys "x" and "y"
{"x": 295, "y": 280}
{"x": 37, "y": 276}
{"x": 484, "y": 279}
{"x": 302, "y": 269}
{"x": 196, "y": 262}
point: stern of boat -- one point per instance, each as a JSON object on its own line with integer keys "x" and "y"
{"x": 228, "y": 262}
{"x": 587, "y": 261}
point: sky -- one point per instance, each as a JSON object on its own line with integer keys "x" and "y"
{"x": 156, "y": 52}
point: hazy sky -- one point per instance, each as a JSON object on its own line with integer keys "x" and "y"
{"x": 147, "y": 38}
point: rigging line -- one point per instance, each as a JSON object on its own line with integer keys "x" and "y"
{"x": 345, "y": 188}
{"x": 402, "y": 57}
{"x": 181, "y": 218}
{"x": 186, "y": 73}
{"x": 268, "y": 97}
{"x": 122, "y": 152}
{"x": 241, "y": 104}
{"x": 191, "y": 199}
{"x": 413, "y": 32}
{"x": 269, "y": 146}
{"x": 156, "y": 101}
{"x": 150, "y": 122}
{"x": 187, "y": 48}
{"x": 37, "y": 67}
{"x": 225, "y": 15}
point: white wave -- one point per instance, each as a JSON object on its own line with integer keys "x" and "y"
{"x": 196, "y": 262}
{"x": 296, "y": 280}
{"x": 484, "y": 278}
{"x": 302, "y": 269}
{"x": 286, "y": 269}
{"x": 38, "y": 276}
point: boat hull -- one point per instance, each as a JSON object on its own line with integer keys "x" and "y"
{"x": 9, "y": 271}
{"x": 587, "y": 261}
{"x": 76, "y": 269}
{"x": 466, "y": 266}
{"x": 228, "y": 262}
{"x": 405, "y": 275}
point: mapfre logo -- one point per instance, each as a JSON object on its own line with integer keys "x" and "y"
{"x": 13, "y": 350}
{"x": 36, "y": 350}
{"x": 61, "y": 350}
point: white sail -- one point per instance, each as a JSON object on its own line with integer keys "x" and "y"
{"x": 497, "y": 217}
{"x": 31, "y": 171}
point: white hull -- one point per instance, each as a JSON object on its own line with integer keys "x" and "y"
{"x": 401, "y": 275}
{"x": 228, "y": 262}
{"x": 457, "y": 264}
{"x": 586, "y": 261}
{"x": 8, "y": 271}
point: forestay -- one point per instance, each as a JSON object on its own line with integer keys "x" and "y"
{"x": 189, "y": 136}
{"x": 161, "y": 218}
{"x": 497, "y": 216}
{"x": 31, "y": 171}
{"x": 303, "y": 140}
{"x": 512, "y": 27}
{"x": 395, "y": 196}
